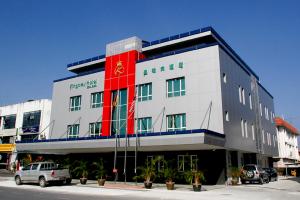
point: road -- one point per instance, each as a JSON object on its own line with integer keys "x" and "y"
{"x": 29, "y": 194}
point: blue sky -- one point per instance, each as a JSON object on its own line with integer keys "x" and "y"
{"x": 39, "y": 38}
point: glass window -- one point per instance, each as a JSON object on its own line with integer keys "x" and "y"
{"x": 119, "y": 112}
{"x": 253, "y": 131}
{"x": 240, "y": 94}
{"x": 224, "y": 78}
{"x": 162, "y": 68}
{"x": 171, "y": 66}
{"x": 144, "y": 125}
{"x": 242, "y": 127}
{"x": 95, "y": 129}
{"x": 186, "y": 162}
{"x": 227, "y": 116}
{"x": 246, "y": 128}
{"x": 97, "y": 100}
{"x": 250, "y": 101}
{"x": 34, "y": 166}
{"x": 176, "y": 122}
{"x": 31, "y": 121}
{"x": 73, "y": 131}
{"x": 9, "y": 121}
{"x": 180, "y": 65}
{"x": 144, "y": 92}
{"x": 75, "y": 103}
{"x": 176, "y": 87}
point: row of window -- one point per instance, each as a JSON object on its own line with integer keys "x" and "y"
{"x": 184, "y": 163}
{"x": 175, "y": 122}
{"x": 30, "y": 119}
{"x": 244, "y": 128}
{"x": 175, "y": 87}
{"x": 96, "y": 101}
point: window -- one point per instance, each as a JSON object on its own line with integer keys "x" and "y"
{"x": 240, "y": 94}
{"x": 144, "y": 92}
{"x": 224, "y": 78}
{"x": 250, "y": 101}
{"x": 227, "y": 116}
{"x": 75, "y": 103}
{"x": 242, "y": 127}
{"x": 263, "y": 136}
{"x": 246, "y": 128}
{"x": 186, "y": 162}
{"x": 95, "y": 129}
{"x": 243, "y": 96}
{"x": 176, "y": 122}
{"x": 159, "y": 164}
{"x": 31, "y": 121}
{"x": 73, "y": 131}
{"x": 176, "y": 87}
{"x": 260, "y": 108}
{"x": 34, "y": 166}
{"x": 97, "y": 100}
{"x": 9, "y": 121}
{"x": 144, "y": 125}
{"x": 253, "y": 131}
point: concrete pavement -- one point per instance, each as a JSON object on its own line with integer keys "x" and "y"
{"x": 288, "y": 188}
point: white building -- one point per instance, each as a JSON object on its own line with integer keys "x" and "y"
{"x": 287, "y": 145}
{"x": 23, "y": 121}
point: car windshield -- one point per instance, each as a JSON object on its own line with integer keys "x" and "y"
{"x": 249, "y": 168}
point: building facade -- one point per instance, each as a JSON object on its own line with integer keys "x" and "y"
{"x": 22, "y": 122}
{"x": 288, "y": 157}
{"x": 188, "y": 97}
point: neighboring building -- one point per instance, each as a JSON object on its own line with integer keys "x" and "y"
{"x": 24, "y": 122}
{"x": 288, "y": 157}
{"x": 190, "y": 97}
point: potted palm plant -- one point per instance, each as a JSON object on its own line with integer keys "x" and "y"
{"x": 195, "y": 177}
{"x": 100, "y": 172}
{"x": 169, "y": 175}
{"x": 82, "y": 170}
{"x": 235, "y": 175}
{"x": 148, "y": 172}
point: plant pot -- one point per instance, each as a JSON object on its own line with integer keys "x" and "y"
{"x": 234, "y": 181}
{"x": 197, "y": 187}
{"x": 170, "y": 185}
{"x": 101, "y": 182}
{"x": 83, "y": 181}
{"x": 148, "y": 185}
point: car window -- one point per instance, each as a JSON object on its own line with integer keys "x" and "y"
{"x": 27, "y": 167}
{"x": 249, "y": 168}
{"x": 34, "y": 166}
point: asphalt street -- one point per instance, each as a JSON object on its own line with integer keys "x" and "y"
{"x": 25, "y": 194}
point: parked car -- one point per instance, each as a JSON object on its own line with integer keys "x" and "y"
{"x": 42, "y": 173}
{"x": 273, "y": 176}
{"x": 253, "y": 173}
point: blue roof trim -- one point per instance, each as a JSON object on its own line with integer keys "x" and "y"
{"x": 81, "y": 74}
{"x": 262, "y": 87}
{"x": 86, "y": 61}
{"x": 193, "y": 131}
{"x": 179, "y": 51}
{"x": 233, "y": 52}
{"x": 197, "y": 31}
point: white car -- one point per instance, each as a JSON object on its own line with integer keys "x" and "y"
{"x": 42, "y": 173}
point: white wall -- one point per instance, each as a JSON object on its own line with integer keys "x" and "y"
{"x": 44, "y": 105}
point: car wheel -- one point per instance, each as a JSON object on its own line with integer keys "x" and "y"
{"x": 42, "y": 182}
{"x": 261, "y": 181}
{"x": 68, "y": 181}
{"x": 18, "y": 180}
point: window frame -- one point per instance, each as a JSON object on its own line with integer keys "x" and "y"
{"x": 173, "y": 118}
{"x": 170, "y": 84}
{"x": 70, "y": 131}
{"x": 94, "y": 103}
{"x": 72, "y": 101}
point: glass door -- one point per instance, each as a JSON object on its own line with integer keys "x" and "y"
{"x": 119, "y": 112}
